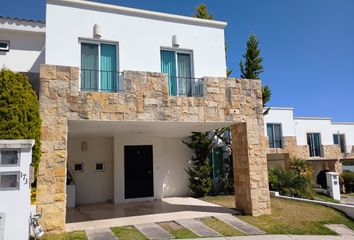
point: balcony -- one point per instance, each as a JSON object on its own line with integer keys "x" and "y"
{"x": 109, "y": 81}
{"x": 101, "y": 81}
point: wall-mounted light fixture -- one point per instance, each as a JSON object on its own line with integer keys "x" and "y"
{"x": 175, "y": 42}
{"x": 97, "y": 31}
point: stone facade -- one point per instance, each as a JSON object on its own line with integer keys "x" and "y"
{"x": 330, "y": 159}
{"x": 146, "y": 98}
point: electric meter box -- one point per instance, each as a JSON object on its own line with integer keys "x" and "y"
{"x": 15, "y": 187}
{"x": 333, "y": 185}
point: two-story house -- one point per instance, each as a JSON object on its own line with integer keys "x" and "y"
{"x": 119, "y": 90}
{"x": 319, "y": 140}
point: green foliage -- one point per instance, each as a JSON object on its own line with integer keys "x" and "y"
{"x": 289, "y": 183}
{"x": 348, "y": 178}
{"x": 266, "y": 94}
{"x": 19, "y": 111}
{"x": 199, "y": 172}
{"x": 301, "y": 167}
{"x": 252, "y": 67}
{"x": 201, "y": 11}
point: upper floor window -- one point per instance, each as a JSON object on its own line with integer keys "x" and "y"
{"x": 99, "y": 67}
{"x": 314, "y": 143}
{"x": 275, "y": 135}
{"x": 178, "y": 67}
{"x": 339, "y": 139}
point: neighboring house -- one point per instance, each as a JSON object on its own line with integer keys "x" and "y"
{"x": 319, "y": 140}
{"x": 120, "y": 88}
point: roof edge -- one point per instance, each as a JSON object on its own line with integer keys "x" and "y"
{"x": 141, "y": 12}
{"x": 313, "y": 118}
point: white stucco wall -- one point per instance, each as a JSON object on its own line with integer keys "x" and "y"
{"x": 300, "y": 126}
{"x": 140, "y": 38}
{"x": 348, "y": 130}
{"x": 15, "y": 204}
{"x": 170, "y": 159}
{"x": 92, "y": 186}
{"x": 284, "y": 116}
{"x": 313, "y": 125}
{"x": 26, "y": 50}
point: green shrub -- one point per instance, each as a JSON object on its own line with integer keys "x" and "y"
{"x": 348, "y": 178}
{"x": 19, "y": 111}
{"x": 289, "y": 183}
{"x": 301, "y": 167}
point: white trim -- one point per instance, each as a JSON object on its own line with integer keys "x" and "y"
{"x": 140, "y": 12}
{"x": 312, "y": 118}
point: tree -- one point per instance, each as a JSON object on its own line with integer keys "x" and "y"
{"x": 19, "y": 111}
{"x": 252, "y": 68}
{"x": 202, "y": 12}
{"x": 199, "y": 172}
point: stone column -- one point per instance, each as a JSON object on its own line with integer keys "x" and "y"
{"x": 51, "y": 179}
{"x": 250, "y": 168}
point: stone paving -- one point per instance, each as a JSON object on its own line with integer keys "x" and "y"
{"x": 198, "y": 228}
{"x": 153, "y": 231}
{"x": 97, "y": 234}
{"x": 239, "y": 225}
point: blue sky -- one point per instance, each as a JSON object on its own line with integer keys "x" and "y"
{"x": 307, "y": 46}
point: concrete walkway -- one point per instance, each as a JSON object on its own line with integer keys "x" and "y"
{"x": 100, "y": 234}
{"x": 278, "y": 237}
{"x": 198, "y": 228}
{"x": 239, "y": 225}
{"x": 153, "y": 231}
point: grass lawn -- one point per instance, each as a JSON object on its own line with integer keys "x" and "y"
{"x": 177, "y": 230}
{"x": 220, "y": 227}
{"x": 80, "y": 235}
{"x": 291, "y": 217}
{"x": 128, "y": 233}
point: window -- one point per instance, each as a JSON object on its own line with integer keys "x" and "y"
{"x": 275, "y": 135}
{"x": 99, "y": 68}
{"x": 4, "y": 46}
{"x": 314, "y": 143}
{"x": 99, "y": 167}
{"x": 79, "y": 167}
{"x": 178, "y": 67}
{"x": 9, "y": 158}
{"x": 339, "y": 139}
{"x": 9, "y": 181}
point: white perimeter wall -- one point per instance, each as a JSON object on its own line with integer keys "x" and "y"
{"x": 170, "y": 159}
{"x": 26, "y": 51}
{"x": 284, "y": 116}
{"x": 140, "y": 39}
{"x": 16, "y": 203}
{"x": 92, "y": 186}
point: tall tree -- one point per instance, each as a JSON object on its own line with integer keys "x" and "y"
{"x": 201, "y": 11}
{"x": 252, "y": 67}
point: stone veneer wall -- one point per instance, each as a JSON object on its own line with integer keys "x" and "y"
{"x": 291, "y": 151}
{"x": 146, "y": 99}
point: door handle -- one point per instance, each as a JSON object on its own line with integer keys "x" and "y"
{"x": 149, "y": 172}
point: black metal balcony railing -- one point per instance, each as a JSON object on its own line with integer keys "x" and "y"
{"x": 101, "y": 81}
{"x": 186, "y": 86}
{"x": 316, "y": 151}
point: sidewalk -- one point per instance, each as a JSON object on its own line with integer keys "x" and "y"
{"x": 280, "y": 237}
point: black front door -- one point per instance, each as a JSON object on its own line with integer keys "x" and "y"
{"x": 138, "y": 172}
